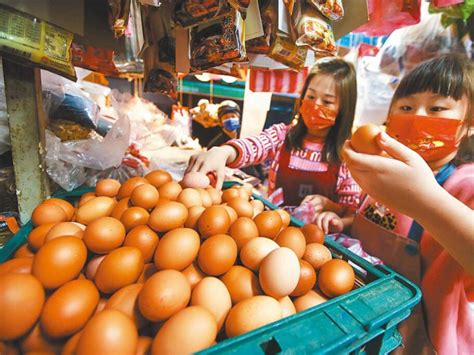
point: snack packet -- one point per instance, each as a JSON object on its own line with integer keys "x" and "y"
{"x": 285, "y": 51}
{"x": 332, "y": 9}
{"x": 189, "y": 13}
{"x": 261, "y": 45}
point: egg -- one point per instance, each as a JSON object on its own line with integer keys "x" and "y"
{"x": 193, "y": 274}
{"x": 244, "y": 193}
{"x": 364, "y": 139}
{"x": 243, "y": 230}
{"x": 168, "y": 216}
{"x": 313, "y": 234}
{"x": 241, "y": 283}
{"x": 193, "y": 216}
{"x": 170, "y": 190}
{"x": 108, "y": 332}
{"x": 69, "y": 308}
{"x": 308, "y": 300}
{"x": 217, "y": 254}
{"x": 293, "y": 238}
{"x": 107, "y": 187}
{"x": 125, "y": 300}
{"x": 86, "y": 197}
{"x": 38, "y": 234}
{"x": 158, "y": 177}
{"x": 95, "y": 208}
{"x": 71, "y": 344}
{"x": 120, "y": 208}
{"x": 205, "y": 197}
{"x": 269, "y": 224}
{"x": 252, "y": 313}
{"x": 242, "y": 207}
{"x": 148, "y": 271}
{"x": 144, "y": 239}
{"x": 17, "y": 266}
{"x": 336, "y": 278}
{"x": 120, "y": 268}
{"x": 101, "y": 305}
{"x": 37, "y": 342}
{"x": 317, "y": 255}
{"x": 287, "y": 307}
{"x": 59, "y": 261}
{"x": 104, "y": 235}
{"x": 129, "y": 185}
{"x": 66, "y": 206}
{"x": 215, "y": 195}
{"x": 145, "y": 196}
{"x": 164, "y": 294}
{"x": 177, "y": 249}
{"x": 190, "y": 197}
{"x": 92, "y": 266}
{"x": 255, "y": 250}
{"x": 232, "y": 214}
{"x": 21, "y": 300}
{"x": 211, "y": 293}
{"x": 195, "y": 179}
{"x": 258, "y": 206}
{"x": 285, "y": 217}
{"x": 307, "y": 279}
{"x": 214, "y": 220}
{"x": 24, "y": 252}
{"x": 188, "y": 331}
{"x": 144, "y": 345}
{"x": 279, "y": 272}
{"x": 64, "y": 228}
{"x": 48, "y": 213}
{"x": 230, "y": 194}
{"x": 134, "y": 216}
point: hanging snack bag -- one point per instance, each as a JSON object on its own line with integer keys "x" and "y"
{"x": 189, "y": 13}
{"x": 216, "y": 42}
{"x": 284, "y": 51}
{"x": 332, "y": 9}
{"x": 241, "y": 6}
{"x": 262, "y": 44}
{"x": 119, "y": 11}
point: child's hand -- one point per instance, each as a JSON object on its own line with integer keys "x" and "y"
{"x": 329, "y": 222}
{"x": 318, "y": 202}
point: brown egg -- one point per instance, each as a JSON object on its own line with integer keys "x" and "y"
{"x": 134, "y": 216}
{"x": 317, "y": 255}
{"x": 144, "y": 345}
{"x": 120, "y": 268}
{"x": 212, "y": 294}
{"x": 252, "y": 313}
{"x": 69, "y": 308}
{"x": 313, "y": 234}
{"x": 66, "y": 206}
{"x": 21, "y": 301}
{"x": 241, "y": 283}
{"x": 97, "y": 207}
{"x": 145, "y": 196}
{"x": 193, "y": 216}
{"x": 241, "y": 206}
{"x": 148, "y": 271}
{"x": 104, "y": 235}
{"x": 37, "y": 342}
{"x": 307, "y": 279}
{"x": 230, "y": 194}
{"x": 59, "y": 261}
{"x": 205, "y": 197}
{"x": 86, "y": 197}
{"x": 268, "y": 223}
{"x": 293, "y": 238}
{"x": 129, "y": 185}
{"x": 258, "y": 206}
{"x": 48, "y": 213}
{"x": 217, "y": 254}
{"x": 92, "y": 265}
{"x": 364, "y": 139}
{"x": 193, "y": 274}
{"x": 215, "y": 195}
{"x": 164, "y": 294}
{"x": 177, "y": 249}
{"x": 190, "y": 197}
{"x": 64, "y": 228}
{"x": 16, "y": 266}
{"x": 71, "y": 344}
{"x": 24, "y": 252}
{"x": 195, "y": 179}
{"x": 162, "y": 201}
{"x": 243, "y": 230}
{"x": 168, "y": 216}
{"x": 255, "y": 250}
{"x": 120, "y": 208}
{"x": 188, "y": 331}
{"x": 308, "y": 300}
{"x": 214, "y": 220}
{"x": 144, "y": 239}
{"x": 170, "y": 190}
{"x": 107, "y": 187}
{"x": 38, "y": 234}
{"x": 125, "y": 300}
{"x": 101, "y": 305}
{"x": 108, "y": 332}
{"x": 158, "y": 178}
{"x": 336, "y": 278}
{"x": 285, "y": 217}
{"x": 287, "y": 307}
{"x": 232, "y": 214}
{"x": 244, "y": 194}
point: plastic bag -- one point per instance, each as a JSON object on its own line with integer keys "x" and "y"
{"x": 4, "y": 127}
{"x": 190, "y": 12}
{"x": 261, "y": 45}
{"x": 332, "y": 9}
{"x": 285, "y": 51}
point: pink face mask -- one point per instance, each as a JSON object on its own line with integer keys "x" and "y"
{"x": 317, "y": 116}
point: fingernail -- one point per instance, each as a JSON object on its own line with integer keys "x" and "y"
{"x": 383, "y": 136}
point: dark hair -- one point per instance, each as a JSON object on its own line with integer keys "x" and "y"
{"x": 346, "y": 90}
{"x": 450, "y": 75}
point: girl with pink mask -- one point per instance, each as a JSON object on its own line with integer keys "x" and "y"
{"x": 305, "y": 158}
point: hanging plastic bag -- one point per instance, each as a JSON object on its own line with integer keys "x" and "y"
{"x": 261, "y": 45}
{"x": 332, "y": 9}
{"x": 4, "y": 128}
{"x": 190, "y": 12}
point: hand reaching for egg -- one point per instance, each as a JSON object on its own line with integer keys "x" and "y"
{"x": 329, "y": 222}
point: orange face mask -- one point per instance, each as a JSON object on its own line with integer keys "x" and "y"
{"x": 317, "y": 116}
{"x": 431, "y": 137}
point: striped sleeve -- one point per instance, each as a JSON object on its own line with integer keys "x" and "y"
{"x": 347, "y": 190}
{"x": 255, "y": 150}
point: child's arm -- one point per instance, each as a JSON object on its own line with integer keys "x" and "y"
{"x": 330, "y": 222}
{"x": 406, "y": 183}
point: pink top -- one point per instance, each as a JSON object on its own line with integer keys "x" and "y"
{"x": 447, "y": 287}
{"x": 268, "y": 144}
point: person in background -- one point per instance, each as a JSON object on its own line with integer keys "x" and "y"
{"x": 229, "y": 118}
{"x": 419, "y": 218}
{"x": 306, "y": 156}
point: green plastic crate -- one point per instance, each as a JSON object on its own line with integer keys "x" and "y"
{"x": 362, "y": 321}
